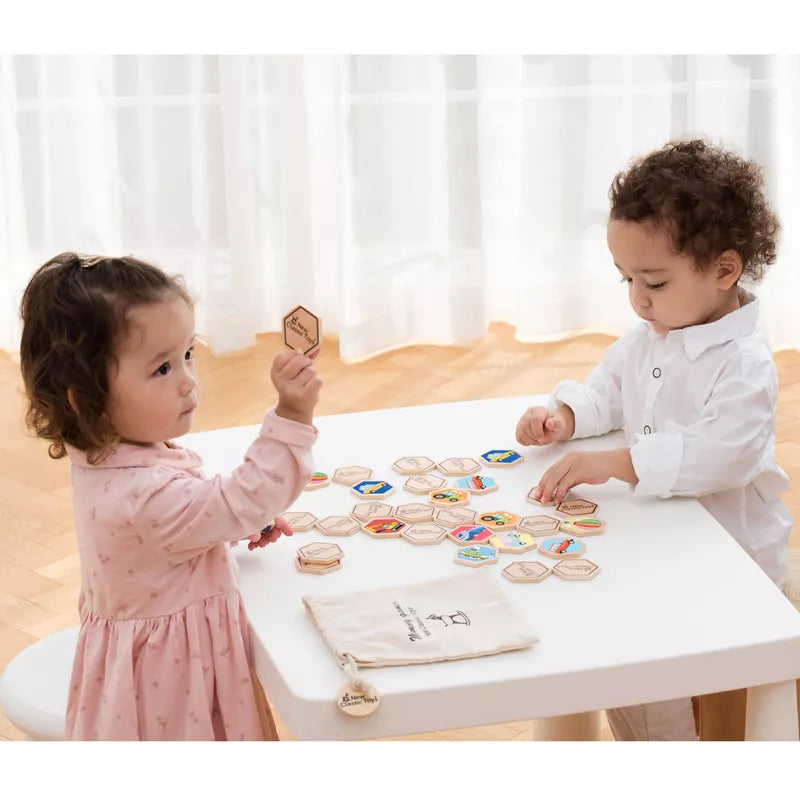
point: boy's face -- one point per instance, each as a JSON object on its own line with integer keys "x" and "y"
{"x": 664, "y": 287}
{"x": 153, "y": 387}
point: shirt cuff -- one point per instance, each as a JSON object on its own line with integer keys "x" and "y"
{"x": 288, "y": 431}
{"x": 657, "y": 461}
{"x": 570, "y": 393}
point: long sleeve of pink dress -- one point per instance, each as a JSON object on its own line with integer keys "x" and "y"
{"x": 164, "y": 646}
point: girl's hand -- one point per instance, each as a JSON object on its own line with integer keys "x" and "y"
{"x": 574, "y": 468}
{"x": 538, "y": 425}
{"x": 270, "y": 534}
{"x": 298, "y": 385}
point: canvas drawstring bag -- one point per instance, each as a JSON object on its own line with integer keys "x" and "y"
{"x": 463, "y": 616}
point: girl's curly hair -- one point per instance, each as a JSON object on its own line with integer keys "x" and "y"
{"x": 708, "y": 198}
{"x": 74, "y": 309}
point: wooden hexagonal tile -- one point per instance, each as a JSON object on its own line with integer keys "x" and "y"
{"x": 302, "y": 330}
{"x": 367, "y": 511}
{"x": 470, "y": 534}
{"x": 424, "y": 533}
{"x": 449, "y": 498}
{"x": 477, "y": 484}
{"x": 526, "y": 571}
{"x": 562, "y": 547}
{"x": 338, "y": 526}
{"x": 450, "y": 517}
{"x": 347, "y": 476}
{"x": 576, "y": 507}
{"x": 384, "y": 527}
{"x": 318, "y": 480}
{"x": 501, "y": 458}
{"x": 476, "y": 555}
{"x": 513, "y": 542}
{"x": 499, "y": 519}
{"x": 538, "y": 524}
{"x": 582, "y": 526}
{"x": 544, "y": 504}
{"x": 372, "y": 489}
{"x": 458, "y": 466}
{"x": 300, "y": 520}
{"x": 414, "y": 512}
{"x": 317, "y": 569}
{"x": 413, "y": 465}
{"x": 422, "y": 484}
{"x": 320, "y": 553}
{"x": 578, "y": 569}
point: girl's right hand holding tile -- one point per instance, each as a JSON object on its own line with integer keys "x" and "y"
{"x": 295, "y": 377}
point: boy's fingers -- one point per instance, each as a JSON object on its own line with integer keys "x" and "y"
{"x": 539, "y": 432}
{"x": 564, "y": 485}
{"x": 550, "y": 480}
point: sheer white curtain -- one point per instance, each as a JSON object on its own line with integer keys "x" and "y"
{"x": 404, "y": 198}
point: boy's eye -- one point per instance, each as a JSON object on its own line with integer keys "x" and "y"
{"x": 163, "y": 369}
{"x": 189, "y": 354}
{"x": 625, "y": 280}
{"x": 656, "y": 286}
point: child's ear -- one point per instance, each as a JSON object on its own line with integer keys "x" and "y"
{"x": 728, "y": 269}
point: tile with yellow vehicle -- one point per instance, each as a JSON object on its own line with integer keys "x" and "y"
{"x": 372, "y": 489}
{"x": 501, "y": 458}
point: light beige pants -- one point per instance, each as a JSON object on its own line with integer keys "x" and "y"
{"x": 667, "y": 721}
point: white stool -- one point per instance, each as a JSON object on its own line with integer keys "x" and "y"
{"x": 34, "y": 686}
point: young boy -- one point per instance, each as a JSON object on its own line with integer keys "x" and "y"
{"x": 694, "y": 386}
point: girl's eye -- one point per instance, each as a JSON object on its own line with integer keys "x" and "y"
{"x": 163, "y": 369}
{"x": 189, "y": 353}
{"x": 625, "y": 280}
{"x": 656, "y": 286}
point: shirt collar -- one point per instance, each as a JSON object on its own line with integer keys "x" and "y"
{"x": 697, "y": 339}
{"x": 136, "y": 455}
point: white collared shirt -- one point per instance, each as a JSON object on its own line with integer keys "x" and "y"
{"x": 698, "y": 409}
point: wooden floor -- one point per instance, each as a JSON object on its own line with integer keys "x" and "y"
{"x": 39, "y": 574}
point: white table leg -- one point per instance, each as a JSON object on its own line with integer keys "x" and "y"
{"x": 568, "y": 728}
{"x": 772, "y": 713}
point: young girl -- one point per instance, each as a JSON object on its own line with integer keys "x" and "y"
{"x": 164, "y": 645}
{"x": 694, "y": 385}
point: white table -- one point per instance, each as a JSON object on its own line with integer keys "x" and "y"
{"x": 679, "y": 609}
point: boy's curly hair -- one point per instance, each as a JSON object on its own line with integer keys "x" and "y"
{"x": 708, "y": 198}
{"x": 74, "y": 309}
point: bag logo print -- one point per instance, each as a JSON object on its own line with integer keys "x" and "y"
{"x": 459, "y": 618}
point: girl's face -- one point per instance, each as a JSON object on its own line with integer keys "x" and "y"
{"x": 665, "y": 288}
{"x": 153, "y": 389}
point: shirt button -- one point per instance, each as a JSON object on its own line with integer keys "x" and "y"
{"x": 656, "y": 373}
{"x": 648, "y": 429}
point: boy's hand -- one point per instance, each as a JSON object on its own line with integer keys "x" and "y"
{"x": 538, "y": 425}
{"x": 586, "y": 467}
{"x": 298, "y": 385}
{"x": 280, "y": 527}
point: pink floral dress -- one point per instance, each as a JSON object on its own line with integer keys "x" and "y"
{"x": 164, "y": 644}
